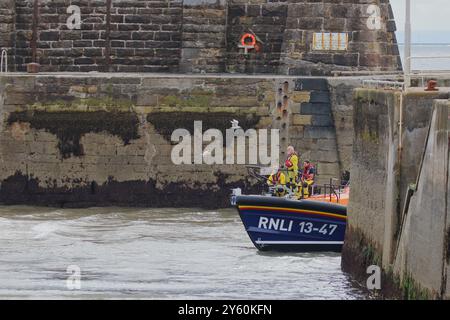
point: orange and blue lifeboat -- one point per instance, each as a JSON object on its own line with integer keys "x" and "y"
{"x": 281, "y": 224}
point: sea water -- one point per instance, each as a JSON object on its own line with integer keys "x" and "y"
{"x": 153, "y": 253}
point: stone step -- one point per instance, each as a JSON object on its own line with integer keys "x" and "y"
{"x": 315, "y": 108}
{"x": 322, "y": 120}
{"x": 320, "y": 97}
{"x": 308, "y": 84}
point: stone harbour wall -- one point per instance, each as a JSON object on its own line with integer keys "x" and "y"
{"x": 198, "y": 36}
{"x": 397, "y": 212}
{"x": 423, "y": 246}
{"x": 79, "y": 140}
{"x": 7, "y": 29}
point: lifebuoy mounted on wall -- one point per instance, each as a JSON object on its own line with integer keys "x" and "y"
{"x": 248, "y": 36}
{"x": 249, "y": 42}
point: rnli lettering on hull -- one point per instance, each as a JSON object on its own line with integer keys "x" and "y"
{"x": 318, "y": 228}
{"x": 275, "y": 224}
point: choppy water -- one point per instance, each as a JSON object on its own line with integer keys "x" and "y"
{"x": 153, "y": 253}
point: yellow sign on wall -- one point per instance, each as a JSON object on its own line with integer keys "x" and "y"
{"x": 329, "y": 41}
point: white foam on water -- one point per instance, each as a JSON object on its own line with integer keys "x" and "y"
{"x": 44, "y": 229}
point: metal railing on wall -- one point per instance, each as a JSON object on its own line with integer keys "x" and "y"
{"x": 408, "y": 73}
{"x": 384, "y": 84}
{"x": 424, "y": 73}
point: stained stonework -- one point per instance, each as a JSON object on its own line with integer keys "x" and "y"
{"x": 397, "y": 215}
{"x": 368, "y": 49}
{"x": 203, "y": 36}
{"x": 7, "y": 35}
{"x": 69, "y": 126}
{"x": 79, "y": 140}
{"x": 199, "y": 36}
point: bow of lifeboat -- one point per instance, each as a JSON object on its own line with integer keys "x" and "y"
{"x": 280, "y": 224}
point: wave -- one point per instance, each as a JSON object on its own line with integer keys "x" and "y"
{"x": 44, "y": 229}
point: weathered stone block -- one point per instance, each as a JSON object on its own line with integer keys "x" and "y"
{"x": 319, "y": 132}
{"x": 300, "y": 97}
{"x": 322, "y": 121}
{"x": 302, "y": 120}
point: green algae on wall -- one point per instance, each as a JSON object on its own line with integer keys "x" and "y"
{"x": 107, "y": 103}
{"x": 199, "y": 101}
{"x": 70, "y": 126}
{"x": 412, "y": 290}
{"x": 368, "y": 119}
{"x": 359, "y": 253}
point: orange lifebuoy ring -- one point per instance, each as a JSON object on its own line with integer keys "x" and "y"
{"x": 245, "y": 37}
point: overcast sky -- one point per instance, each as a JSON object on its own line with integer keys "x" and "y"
{"x": 430, "y": 19}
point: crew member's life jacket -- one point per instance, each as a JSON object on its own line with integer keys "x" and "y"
{"x": 288, "y": 163}
{"x": 277, "y": 178}
{"x": 308, "y": 172}
{"x": 291, "y": 164}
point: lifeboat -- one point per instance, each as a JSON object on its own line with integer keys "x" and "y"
{"x": 289, "y": 224}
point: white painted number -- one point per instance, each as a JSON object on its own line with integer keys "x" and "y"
{"x": 333, "y": 228}
{"x": 308, "y": 225}
{"x": 325, "y": 229}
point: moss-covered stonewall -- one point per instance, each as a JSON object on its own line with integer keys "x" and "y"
{"x": 70, "y": 126}
{"x": 359, "y": 253}
{"x": 69, "y": 103}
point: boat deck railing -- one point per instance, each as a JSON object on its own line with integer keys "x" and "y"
{"x": 331, "y": 190}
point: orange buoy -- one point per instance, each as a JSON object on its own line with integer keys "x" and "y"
{"x": 248, "y": 36}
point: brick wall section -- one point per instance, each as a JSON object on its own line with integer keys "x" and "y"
{"x": 203, "y": 36}
{"x": 144, "y": 36}
{"x": 61, "y": 49}
{"x": 368, "y": 49}
{"x": 7, "y": 17}
{"x": 267, "y": 21}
